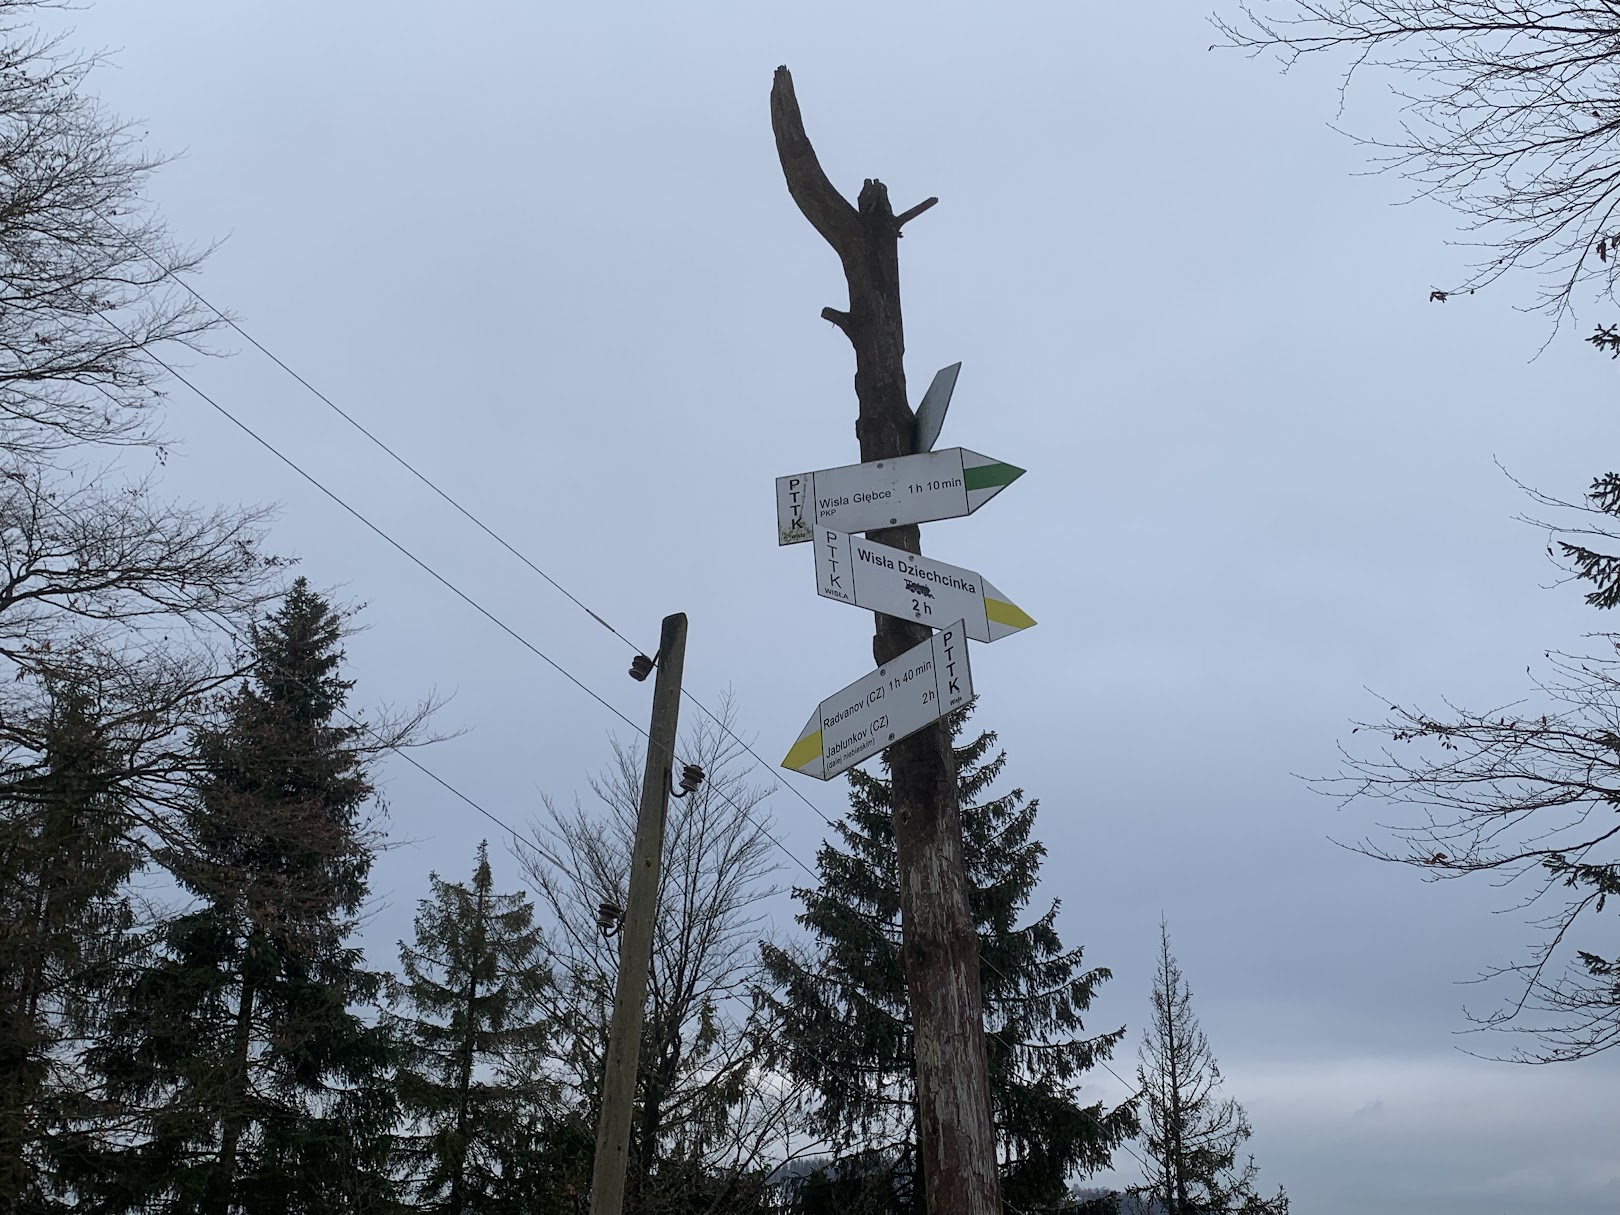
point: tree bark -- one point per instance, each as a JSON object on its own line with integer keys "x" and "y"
{"x": 458, "y": 1178}
{"x": 223, "y": 1184}
{"x": 940, "y": 948}
{"x": 19, "y": 1040}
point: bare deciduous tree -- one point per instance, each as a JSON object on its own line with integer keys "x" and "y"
{"x": 123, "y": 597}
{"x": 111, "y": 653}
{"x": 104, "y": 588}
{"x": 88, "y": 272}
{"x": 1512, "y": 117}
{"x": 118, "y": 611}
{"x": 702, "y": 1099}
{"x": 1527, "y": 794}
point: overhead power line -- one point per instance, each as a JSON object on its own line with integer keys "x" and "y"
{"x": 453, "y": 589}
{"x": 395, "y": 544}
{"x": 450, "y": 499}
{"x": 460, "y": 594}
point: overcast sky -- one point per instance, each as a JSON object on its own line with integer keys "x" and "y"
{"x": 545, "y": 250}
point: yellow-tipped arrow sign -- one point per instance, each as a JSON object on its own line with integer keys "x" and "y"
{"x": 883, "y": 706}
{"x": 855, "y": 570}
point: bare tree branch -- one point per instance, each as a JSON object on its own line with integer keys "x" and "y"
{"x": 701, "y": 1092}
{"x": 826, "y": 209}
{"x": 88, "y": 273}
{"x": 1528, "y": 794}
{"x": 1513, "y": 113}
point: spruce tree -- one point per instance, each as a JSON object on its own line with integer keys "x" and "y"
{"x": 846, "y": 1025}
{"x": 1191, "y": 1136}
{"x": 65, "y": 926}
{"x": 243, "y": 1047}
{"x": 471, "y": 1033}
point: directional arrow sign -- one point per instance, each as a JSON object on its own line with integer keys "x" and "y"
{"x": 899, "y": 698}
{"x": 854, "y": 570}
{"x": 908, "y": 489}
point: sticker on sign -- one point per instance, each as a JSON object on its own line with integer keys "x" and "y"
{"x": 880, "y": 578}
{"x": 898, "y": 699}
{"x": 885, "y": 493}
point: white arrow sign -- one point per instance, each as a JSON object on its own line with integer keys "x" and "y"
{"x": 854, "y": 570}
{"x": 908, "y": 489}
{"x": 899, "y": 698}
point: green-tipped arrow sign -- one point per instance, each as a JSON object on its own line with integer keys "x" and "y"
{"x": 885, "y": 493}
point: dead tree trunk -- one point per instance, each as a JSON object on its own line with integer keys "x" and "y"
{"x": 956, "y": 1139}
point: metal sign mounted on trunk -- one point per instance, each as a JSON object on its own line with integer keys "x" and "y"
{"x": 931, "y": 412}
{"x": 931, "y": 485}
{"x": 861, "y": 572}
{"x": 899, "y": 698}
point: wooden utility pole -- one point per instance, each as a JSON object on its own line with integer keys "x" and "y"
{"x": 635, "y": 941}
{"x": 940, "y": 948}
